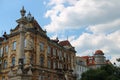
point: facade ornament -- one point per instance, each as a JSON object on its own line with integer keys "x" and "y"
{"x": 11, "y": 72}
{"x": 30, "y": 72}
{"x": 29, "y": 42}
{"x": 22, "y": 11}
{"x": 29, "y": 17}
{"x": 19, "y": 72}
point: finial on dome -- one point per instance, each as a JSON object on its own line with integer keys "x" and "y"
{"x": 23, "y": 11}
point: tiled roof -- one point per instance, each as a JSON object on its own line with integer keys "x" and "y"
{"x": 36, "y": 25}
{"x": 65, "y": 43}
{"x": 90, "y": 60}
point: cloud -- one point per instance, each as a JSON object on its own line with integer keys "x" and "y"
{"x": 105, "y": 28}
{"x": 87, "y": 44}
{"x": 81, "y": 13}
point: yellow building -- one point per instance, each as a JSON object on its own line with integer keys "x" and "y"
{"x": 27, "y": 47}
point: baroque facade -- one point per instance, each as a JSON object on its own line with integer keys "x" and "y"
{"x": 28, "y": 52}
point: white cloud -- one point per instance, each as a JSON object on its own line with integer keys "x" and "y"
{"x": 88, "y": 43}
{"x": 105, "y": 28}
{"x": 81, "y": 13}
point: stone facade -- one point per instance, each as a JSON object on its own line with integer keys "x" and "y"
{"x": 27, "y": 44}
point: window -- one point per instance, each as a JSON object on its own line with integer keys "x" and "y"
{"x": 6, "y": 49}
{"x": 24, "y": 60}
{"x": 54, "y": 51}
{"x": 41, "y": 61}
{"x": 48, "y": 50}
{"x": 3, "y": 78}
{"x": 5, "y": 64}
{"x": 60, "y": 54}
{"x": 41, "y": 46}
{"x": 25, "y": 43}
{"x": 54, "y": 65}
{"x": 60, "y": 65}
{"x": 14, "y": 45}
{"x": 49, "y": 64}
{"x": 13, "y": 61}
{"x": 1, "y": 51}
{"x": 64, "y": 55}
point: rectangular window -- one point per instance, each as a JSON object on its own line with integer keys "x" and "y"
{"x": 5, "y": 64}
{"x": 48, "y": 50}
{"x": 14, "y": 45}
{"x": 60, "y": 65}
{"x": 54, "y": 51}
{"x": 54, "y": 65}
{"x": 25, "y": 43}
{"x": 6, "y": 49}
{"x": 64, "y": 55}
{"x": 49, "y": 64}
{"x": 13, "y": 61}
{"x": 41, "y": 46}
{"x": 42, "y": 61}
{"x": 60, "y": 54}
{"x": 3, "y": 78}
{"x": 1, "y": 51}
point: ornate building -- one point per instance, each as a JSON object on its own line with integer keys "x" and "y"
{"x": 27, "y": 53}
{"x": 85, "y": 63}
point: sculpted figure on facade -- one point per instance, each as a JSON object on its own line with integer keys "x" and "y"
{"x": 29, "y": 42}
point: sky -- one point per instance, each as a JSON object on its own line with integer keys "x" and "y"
{"x": 89, "y": 25}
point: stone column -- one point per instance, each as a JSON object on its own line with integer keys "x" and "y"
{"x": 21, "y": 43}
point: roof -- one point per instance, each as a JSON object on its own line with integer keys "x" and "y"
{"x": 90, "y": 60}
{"x": 99, "y": 52}
{"x": 36, "y": 25}
{"x": 65, "y": 43}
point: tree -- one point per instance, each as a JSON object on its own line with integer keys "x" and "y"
{"x": 107, "y": 72}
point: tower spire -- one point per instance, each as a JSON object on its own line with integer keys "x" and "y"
{"x": 23, "y": 11}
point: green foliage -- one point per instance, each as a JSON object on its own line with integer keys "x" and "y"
{"x": 108, "y": 72}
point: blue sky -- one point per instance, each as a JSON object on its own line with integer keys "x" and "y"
{"x": 89, "y": 24}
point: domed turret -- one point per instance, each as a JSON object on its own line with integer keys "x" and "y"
{"x": 99, "y": 52}
{"x": 99, "y": 58}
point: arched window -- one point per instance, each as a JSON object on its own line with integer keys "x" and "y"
{"x": 13, "y": 61}
{"x": 41, "y": 61}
